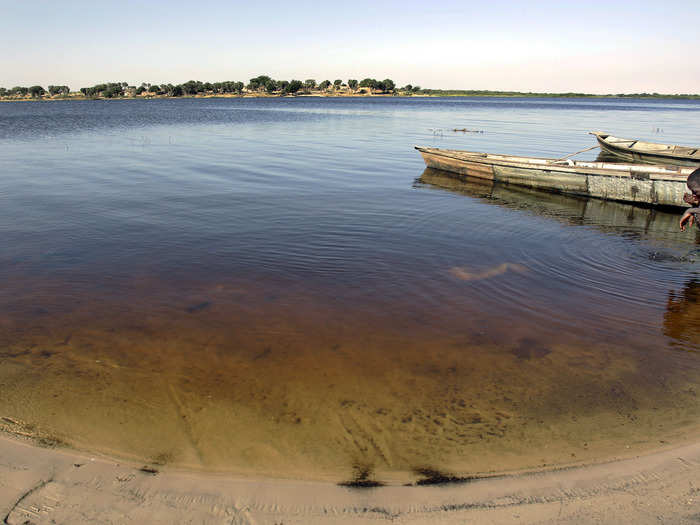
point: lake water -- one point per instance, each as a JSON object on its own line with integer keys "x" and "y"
{"x": 278, "y": 287}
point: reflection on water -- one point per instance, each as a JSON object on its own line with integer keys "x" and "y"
{"x": 614, "y": 217}
{"x": 203, "y": 303}
{"x": 682, "y": 317}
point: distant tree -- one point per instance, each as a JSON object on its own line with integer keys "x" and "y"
{"x": 36, "y": 91}
{"x": 259, "y": 82}
{"x": 140, "y": 90}
{"x": 113, "y": 90}
{"x": 3, "y": 92}
{"x": 407, "y": 87}
{"x": 208, "y": 86}
{"x": 325, "y": 84}
{"x": 416, "y": 89}
{"x": 368, "y": 83}
{"x": 232, "y": 87}
{"x": 58, "y": 90}
{"x": 352, "y": 84}
{"x": 388, "y": 85}
{"x": 271, "y": 86}
{"x": 337, "y": 83}
{"x": 310, "y": 83}
{"x": 192, "y": 87}
{"x": 294, "y": 86}
{"x": 177, "y": 91}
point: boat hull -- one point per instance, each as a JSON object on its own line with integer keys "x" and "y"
{"x": 643, "y": 151}
{"x": 652, "y": 187}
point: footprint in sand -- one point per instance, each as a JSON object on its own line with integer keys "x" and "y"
{"x": 468, "y": 274}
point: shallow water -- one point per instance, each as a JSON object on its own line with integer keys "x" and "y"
{"x": 278, "y": 286}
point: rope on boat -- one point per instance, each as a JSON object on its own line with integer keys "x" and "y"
{"x": 572, "y": 154}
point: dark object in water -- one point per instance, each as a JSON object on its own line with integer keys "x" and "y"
{"x": 263, "y": 354}
{"x": 691, "y": 257}
{"x": 361, "y": 483}
{"x": 362, "y": 479}
{"x": 651, "y": 152}
{"x": 435, "y": 477}
{"x": 197, "y": 307}
{"x": 529, "y": 348}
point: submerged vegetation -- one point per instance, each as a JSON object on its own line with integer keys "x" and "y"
{"x": 265, "y": 85}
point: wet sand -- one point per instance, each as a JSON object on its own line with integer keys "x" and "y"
{"x": 39, "y": 485}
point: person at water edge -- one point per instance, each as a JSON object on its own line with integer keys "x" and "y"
{"x": 692, "y": 198}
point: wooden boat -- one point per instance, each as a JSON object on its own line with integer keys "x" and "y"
{"x": 648, "y": 152}
{"x": 636, "y": 183}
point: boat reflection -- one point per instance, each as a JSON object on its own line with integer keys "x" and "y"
{"x": 610, "y": 216}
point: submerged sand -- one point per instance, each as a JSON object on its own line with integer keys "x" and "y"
{"x": 40, "y": 485}
{"x": 239, "y": 379}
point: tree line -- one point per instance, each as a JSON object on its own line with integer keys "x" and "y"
{"x": 266, "y": 84}
{"x": 34, "y": 91}
{"x": 259, "y": 84}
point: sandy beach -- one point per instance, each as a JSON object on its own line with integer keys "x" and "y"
{"x": 45, "y": 485}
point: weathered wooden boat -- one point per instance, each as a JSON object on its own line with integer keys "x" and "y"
{"x": 636, "y": 183}
{"x": 647, "y": 152}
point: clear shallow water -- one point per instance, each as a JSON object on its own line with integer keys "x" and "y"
{"x": 278, "y": 286}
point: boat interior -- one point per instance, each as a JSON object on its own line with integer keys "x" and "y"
{"x": 622, "y": 167}
{"x": 649, "y": 147}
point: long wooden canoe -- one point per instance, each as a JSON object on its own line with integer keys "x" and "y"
{"x": 648, "y": 152}
{"x": 637, "y": 183}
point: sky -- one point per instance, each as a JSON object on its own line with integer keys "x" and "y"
{"x": 588, "y": 46}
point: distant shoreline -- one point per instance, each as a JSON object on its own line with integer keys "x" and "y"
{"x": 427, "y": 94}
{"x": 264, "y": 86}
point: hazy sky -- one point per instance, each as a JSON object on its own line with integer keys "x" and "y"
{"x": 587, "y": 45}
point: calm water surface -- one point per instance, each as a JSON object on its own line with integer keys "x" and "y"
{"x": 278, "y": 286}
